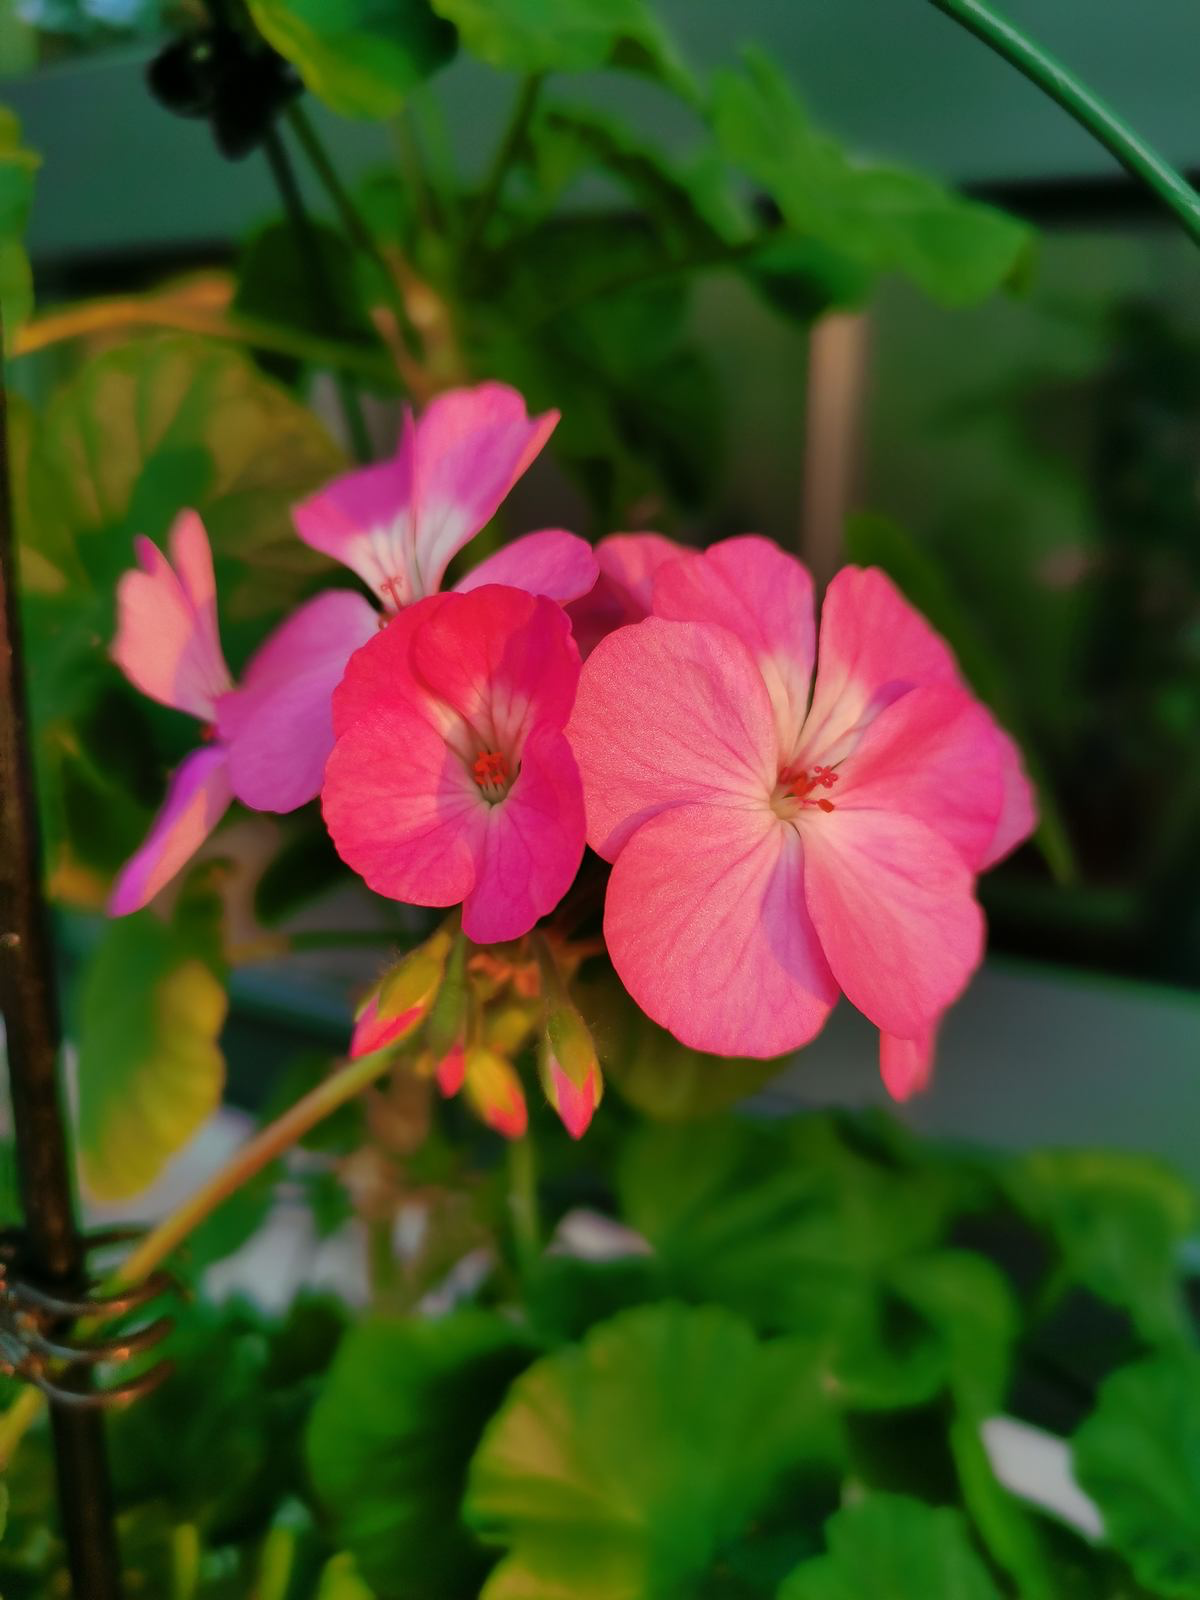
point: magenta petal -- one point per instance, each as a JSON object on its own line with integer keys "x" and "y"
{"x": 906, "y": 1065}
{"x": 167, "y": 643}
{"x": 893, "y": 905}
{"x": 553, "y": 563}
{"x": 381, "y": 670}
{"x": 707, "y": 928}
{"x": 401, "y": 807}
{"x": 765, "y": 596}
{"x": 873, "y": 648}
{"x": 668, "y": 713}
{"x": 627, "y": 564}
{"x": 502, "y": 659}
{"x": 279, "y": 724}
{"x": 532, "y": 844}
{"x": 1018, "y": 805}
{"x": 197, "y": 798}
{"x": 934, "y": 754}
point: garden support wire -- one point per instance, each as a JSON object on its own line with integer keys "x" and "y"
{"x": 53, "y": 1257}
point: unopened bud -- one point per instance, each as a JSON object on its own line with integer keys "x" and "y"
{"x": 570, "y": 1070}
{"x": 451, "y": 1070}
{"x": 494, "y": 1091}
{"x": 398, "y": 1005}
{"x": 447, "y": 1024}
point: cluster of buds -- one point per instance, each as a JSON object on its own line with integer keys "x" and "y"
{"x": 465, "y": 1014}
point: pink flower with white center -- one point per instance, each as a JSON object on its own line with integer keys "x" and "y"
{"x": 624, "y": 589}
{"x": 773, "y": 848}
{"x": 451, "y": 779}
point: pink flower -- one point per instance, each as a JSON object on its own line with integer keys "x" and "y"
{"x": 622, "y": 594}
{"x": 451, "y": 779}
{"x": 399, "y": 523}
{"x": 168, "y": 646}
{"x": 772, "y": 850}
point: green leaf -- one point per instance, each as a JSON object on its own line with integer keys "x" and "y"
{"x": 628, "y": 1465}
{"x": 657, "y": 1075}
{"x": 566, "y": 36}
{"x": 1138, "y": 1456}
{"x": 17, "y": 168}
{"x": 165, "y": 422}
{"x": 275, "y": 283}
{"x": 390, "y": 1439}
{"x": 885, "y": 218}
{"x": 150, "y": 1069}
{"x": 874, "y": 541}
{"x": 361, "y": 57}
{"x": 888, "y": 1547}
{"x": 1120, "y": 1221}
{"x": 340, "y": 1581}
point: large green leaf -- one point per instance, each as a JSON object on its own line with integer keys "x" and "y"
{"x": 888, "y": 1547}
{"x": 624, "y": 1468}
{"x": 1138, "y": 1456}
{"x": 565, "y": 35}
{"x": 887, "y": 218}
{"x": 362, "y": 57}
{"x": 17, "y": 168}
{"x": 1120, "y": 1221}
{"x": 150, "y": 1069}
{"x": 390, "y": 1439}
{"x": 166, "y": 422}
{"x": 652, "y": 1070}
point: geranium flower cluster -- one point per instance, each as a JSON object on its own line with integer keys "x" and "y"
{"x": 789, "y": 815}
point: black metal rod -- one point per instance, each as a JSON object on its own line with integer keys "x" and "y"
{"x": 54, "y": 1257}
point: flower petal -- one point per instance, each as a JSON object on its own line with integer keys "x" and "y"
{"x": 553, "y": 563}
{"x": 279, "y": 724}
{"x": 627, "y": 563}
{"x": 906, "y": 1065}
{"x": 933, "y": 754}
{"x": 893, "y": 905}
{"x": 707, "y": 928}
{"x": 471, "y": 447}
{"x": 167, "y": 642}
{"x": 1018, "y": 806}
{"x": 365, "y": 520}
{"x": 669, "y": 713}
{"x": 502, "y": 659}
{"x": 532, "y": 844}
{"x": 372, "y": 1032}
{"x": 198, "y": 796}
{"x": 753, "y": 588}
{"x": 381, "y": 670}
{"x": 401, "y": 808}
{"x": 873, "y": 648}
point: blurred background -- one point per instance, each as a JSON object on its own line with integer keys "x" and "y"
{"x": 1026, "y": 467}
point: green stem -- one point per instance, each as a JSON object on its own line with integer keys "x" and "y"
{"x": 16, "y": 1422}
{"x": 506, "y": 154}
{"x": 308, "y": 245}
{"x": 343, "y": 1085}
{"x": 523, "y": 1200}
{"x": 185, "y": 1561}
{"x": 352, "y": 221}
{"x": 1100, "y": 120}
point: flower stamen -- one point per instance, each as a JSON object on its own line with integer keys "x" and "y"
{"x": 796, "y": 786}
{"x": 490, "y": 771}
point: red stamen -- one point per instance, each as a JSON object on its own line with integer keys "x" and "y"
{"x": 391, "y": 590}
{"x": 800, "y": 783}
{"x": 490, "y": 769}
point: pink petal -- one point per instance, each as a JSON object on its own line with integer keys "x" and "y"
{"x": 197, "y": 798}
{"x": 381, "y": 669}
{"x": 873, "y": 648}
{"x": 627, "y": 563}
{"x": 893, "y": 905}
{"x": 1018, "y": 807}
{"x": 167, "y": 643}
{"x": 668, "y": 713}
{"x": 532, "y": 844}
{"x": 401, "y": 807}
{"x": 751, "y": 587}
{"x": 553, "y": 563}
{"x": 934, "y": 754}
{"x": 575, "y": 1103}
{"x": 371, "y": 1033}
{"x": 906, "y": 1065}
{"x": 279, "y": 724}
{"x": 502, "y": 659}
{"x": 472, "y": 445}
{"x": 707, "y": 928}
{"x": 366, "y": 520}
{"x": 451, "y": 1070}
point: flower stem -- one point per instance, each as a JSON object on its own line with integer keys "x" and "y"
{"x": 506, "y": 153}
{"x": 16, "y": 1421}
{"x": 523, "y": 1200}
{"x": 352, "y": 221}
{"x": 1088, "y": 109}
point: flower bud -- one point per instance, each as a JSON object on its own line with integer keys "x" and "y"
{"x": 398, "y": 1005}
{"x": 494, "y": 1092}
{"x": 451, "y": 1070}
{"x": 570, "y": 1070}
{"x": 447, "y": 1026}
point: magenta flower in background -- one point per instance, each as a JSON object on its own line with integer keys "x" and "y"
{"x": 772, "y": 851}
{"x": 624, "y": 588}
{"x": 451, "y": 779}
